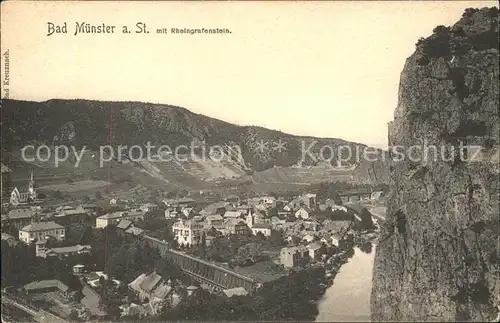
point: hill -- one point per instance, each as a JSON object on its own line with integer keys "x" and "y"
{"x": 215, "y": 150}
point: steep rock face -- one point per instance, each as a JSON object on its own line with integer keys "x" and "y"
{"x": 438, "y": 256}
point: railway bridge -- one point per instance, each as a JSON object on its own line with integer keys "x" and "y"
{"x": 217, "y": 277}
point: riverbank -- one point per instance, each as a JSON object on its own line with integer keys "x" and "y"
{"x": 348, "y": 298}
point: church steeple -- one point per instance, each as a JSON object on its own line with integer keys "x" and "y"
{"x": 31, "y": 187}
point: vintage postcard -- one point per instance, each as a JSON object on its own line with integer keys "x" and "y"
{"x": 327, "y": 161}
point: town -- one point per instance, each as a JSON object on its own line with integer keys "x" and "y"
{"x": 103, "y": 257}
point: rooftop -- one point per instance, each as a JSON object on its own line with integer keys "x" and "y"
{"x": 124, "y": 224}
{"x": 214, "y": 217}
{"x": 42, "y": 284}
{"x": 109, "y": 216}
{"x": 20, "y": 214}
{"x": 305, "y": 208}
{"x": 42, "y": 226}
{"x": 71, "y": 248}
{"x": 238, "y": 291}
{"x": 150, "y": 281}
{"x": 232, "y": 214}
{"x": 261, "y": 226}
{"x": 135, "y": 231}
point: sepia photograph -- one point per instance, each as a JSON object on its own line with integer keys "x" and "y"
{"x": 313, "y": 161}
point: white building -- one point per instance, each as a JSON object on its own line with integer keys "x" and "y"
{"x": 17, "y": 197}
{"x": 187, "y": 232}
{"x": 115, "y": 217}
{"x": 303, "y": 213}
{"x": 149, "y": 207}
{"x": 41, "y": 231}
{"x": 263, "y": 228}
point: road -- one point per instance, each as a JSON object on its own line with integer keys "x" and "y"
{"x": 38, "y": 314}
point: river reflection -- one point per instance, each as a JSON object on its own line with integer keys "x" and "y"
{"x": 348, "y": 299}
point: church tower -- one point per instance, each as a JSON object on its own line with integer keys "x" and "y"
{"x": 31, "y": 187}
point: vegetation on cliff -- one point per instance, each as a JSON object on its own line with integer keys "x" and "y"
{"x": 438, "y": 256}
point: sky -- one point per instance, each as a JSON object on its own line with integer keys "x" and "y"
{"x": 325, "y": 69}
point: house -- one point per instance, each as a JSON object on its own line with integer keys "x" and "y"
{"x": 109, "y": 218}
{"x": 209, "y": 240}
{"x": 214, "y": 220}
{"x": 171, "y": 213}
{"x": 311, "y": 224}
{"x": 268, "y": 200}
{"x": 292, "y": 205}
{"x": 61, "y": 252}
{"x": 334, "y": 240}
{"x": 336, "y": 207}
{"x": 214, "y": 208}
{"x": 149, "y": 207}
{"x": 315, "y": 250}
{"x": 45, "y": 286}
{"x": 237, "y": 291}
{"x": 258, "y": 217}
{"x": 124, "y": 224}
{"x": 309, "y": 200}
{"x": 303, "y": 213}
{"x": 135, "y": 231}
{"x": 290, "y": 257}
{"x": 191, "y": 290}
{"x": 375, "y": 196}
{"x": 308, "y": 238}
{"x": 150, "y": 287}
{"x": 168, "y": 202}
{"x": 187, "y": 211}
{"x": 115, "y": 217}
{"x": 255, "y": 218}
{"x": 185, "y": 202}
{"x": 71, "y": 211}
{"x": 187, "y": 232}
{"x": 94, "y": 279}
{"x": 277, "y": 221}
{"x": 245, "y": 209}
{"x": 236, "y": 226}
{"x": 263, "y": 228}
{"x": 18, "y": 218}
{"x": 232, "y": 214}
{"x": 113, "y": 201}
{"x": 42, "y": 230}
{"x": 233, "y": 199}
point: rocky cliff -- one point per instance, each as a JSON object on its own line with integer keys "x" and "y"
{"x": 438, "y": 256}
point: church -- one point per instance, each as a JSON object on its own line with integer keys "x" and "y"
{"x": 17, "y": 198}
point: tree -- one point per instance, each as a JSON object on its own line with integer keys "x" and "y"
{"x": 366, "y": 247}
{"x": 98, "y": 195}
{"x": 250, "y": 251}
{"x": 366, "y": 220}
{"x": 73, "y": 315}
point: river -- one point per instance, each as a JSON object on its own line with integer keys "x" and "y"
{"x": 348, "y": 299}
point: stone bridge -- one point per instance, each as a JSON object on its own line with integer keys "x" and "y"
{"x": 218, "y": 278}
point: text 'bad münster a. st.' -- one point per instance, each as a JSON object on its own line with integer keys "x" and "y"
{"x": 86, "y": 28}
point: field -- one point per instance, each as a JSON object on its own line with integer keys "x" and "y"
{"x": 302, "y": 175}
{"x": 263, "y": 271}
{"x": 77, "y": 186}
